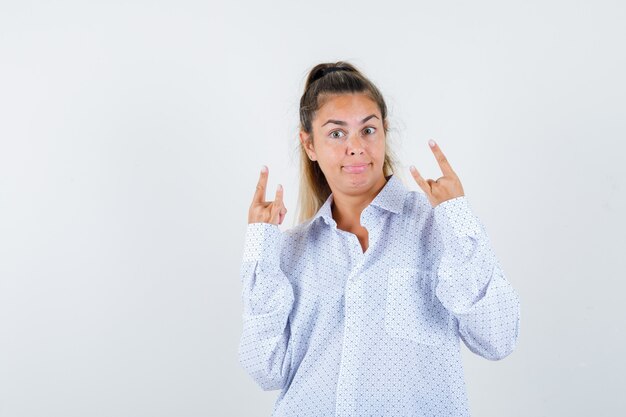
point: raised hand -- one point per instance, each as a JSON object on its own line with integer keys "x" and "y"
{"x": 443, "y": 188}
{"x": 262, "y": 211}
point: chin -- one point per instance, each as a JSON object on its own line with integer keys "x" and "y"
{"x": 362, "y": 180}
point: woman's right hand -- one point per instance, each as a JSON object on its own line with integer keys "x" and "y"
{"x": 261, "y": 211}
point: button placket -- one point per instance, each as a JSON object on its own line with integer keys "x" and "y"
{"x": 347, "y": 377}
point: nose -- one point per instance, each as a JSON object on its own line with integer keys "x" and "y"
{"x": 354, "y": 145}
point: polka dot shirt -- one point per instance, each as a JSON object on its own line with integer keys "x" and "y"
{"x": 342, "y": 332}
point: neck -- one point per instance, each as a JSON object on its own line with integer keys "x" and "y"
{"x": 347, "y": 209}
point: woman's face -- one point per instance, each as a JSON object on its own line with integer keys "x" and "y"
{"x": 348, "y": 143}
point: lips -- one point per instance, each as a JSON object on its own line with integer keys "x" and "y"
{"x": 356, "y": 168}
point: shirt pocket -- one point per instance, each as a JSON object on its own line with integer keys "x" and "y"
{"x": 411, "y": 309}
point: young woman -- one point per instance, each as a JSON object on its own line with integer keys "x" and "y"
{"x": 358, "y": 310}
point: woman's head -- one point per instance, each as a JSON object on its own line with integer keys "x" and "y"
{"x": 343, "y": 122}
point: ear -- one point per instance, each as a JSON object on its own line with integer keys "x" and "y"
{"x": 307, "y": 143}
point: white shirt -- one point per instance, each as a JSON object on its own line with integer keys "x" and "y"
{"x": 346, "y": 333}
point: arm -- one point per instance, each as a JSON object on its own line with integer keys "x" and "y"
{"x": 471, "y": 283}
{"x": 267, "y": 295}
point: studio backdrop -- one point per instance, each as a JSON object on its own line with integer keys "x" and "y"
{"x": 131, "y": 138}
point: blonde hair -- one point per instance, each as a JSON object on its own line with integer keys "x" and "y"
{"x": 324, "y": 80}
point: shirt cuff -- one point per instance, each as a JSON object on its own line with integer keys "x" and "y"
{"x": 456, "y": 219}
{"x": 262, "y": 242}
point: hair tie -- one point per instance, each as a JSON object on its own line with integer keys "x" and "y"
{"x": 328, "y": 70}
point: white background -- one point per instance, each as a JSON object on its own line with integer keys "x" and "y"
{"x": 131, "y": 138}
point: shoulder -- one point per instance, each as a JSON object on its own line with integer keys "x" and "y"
{"x": 299, "y": 232}
{"x": 416, "y": 205}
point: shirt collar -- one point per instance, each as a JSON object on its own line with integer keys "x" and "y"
{"x": 391, "y": 198}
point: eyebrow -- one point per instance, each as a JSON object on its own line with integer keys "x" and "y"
{"x": 339, "y": 122}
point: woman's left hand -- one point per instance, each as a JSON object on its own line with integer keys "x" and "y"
{"x": 443, "y": 188}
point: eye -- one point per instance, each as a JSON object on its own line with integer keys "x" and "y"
{"x": 372, "y": 129}
{"x": 332, "y": 134}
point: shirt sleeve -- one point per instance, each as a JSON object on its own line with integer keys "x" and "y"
{"x": 471, "y": 283}
{"x": 267, "y": 295}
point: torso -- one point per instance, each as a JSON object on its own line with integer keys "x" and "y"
{"x": 364, "y": 242}
{"x": 361, "y": 233}
{"x": 355, "y": 228}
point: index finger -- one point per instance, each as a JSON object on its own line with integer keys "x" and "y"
{"x": 441, "y": 159}
{"x": 259, "y": 194}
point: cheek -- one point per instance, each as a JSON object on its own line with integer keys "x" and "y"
{"x": 379, "y": 149}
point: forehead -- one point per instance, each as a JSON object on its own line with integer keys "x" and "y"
{"x": 347, "y": 107}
